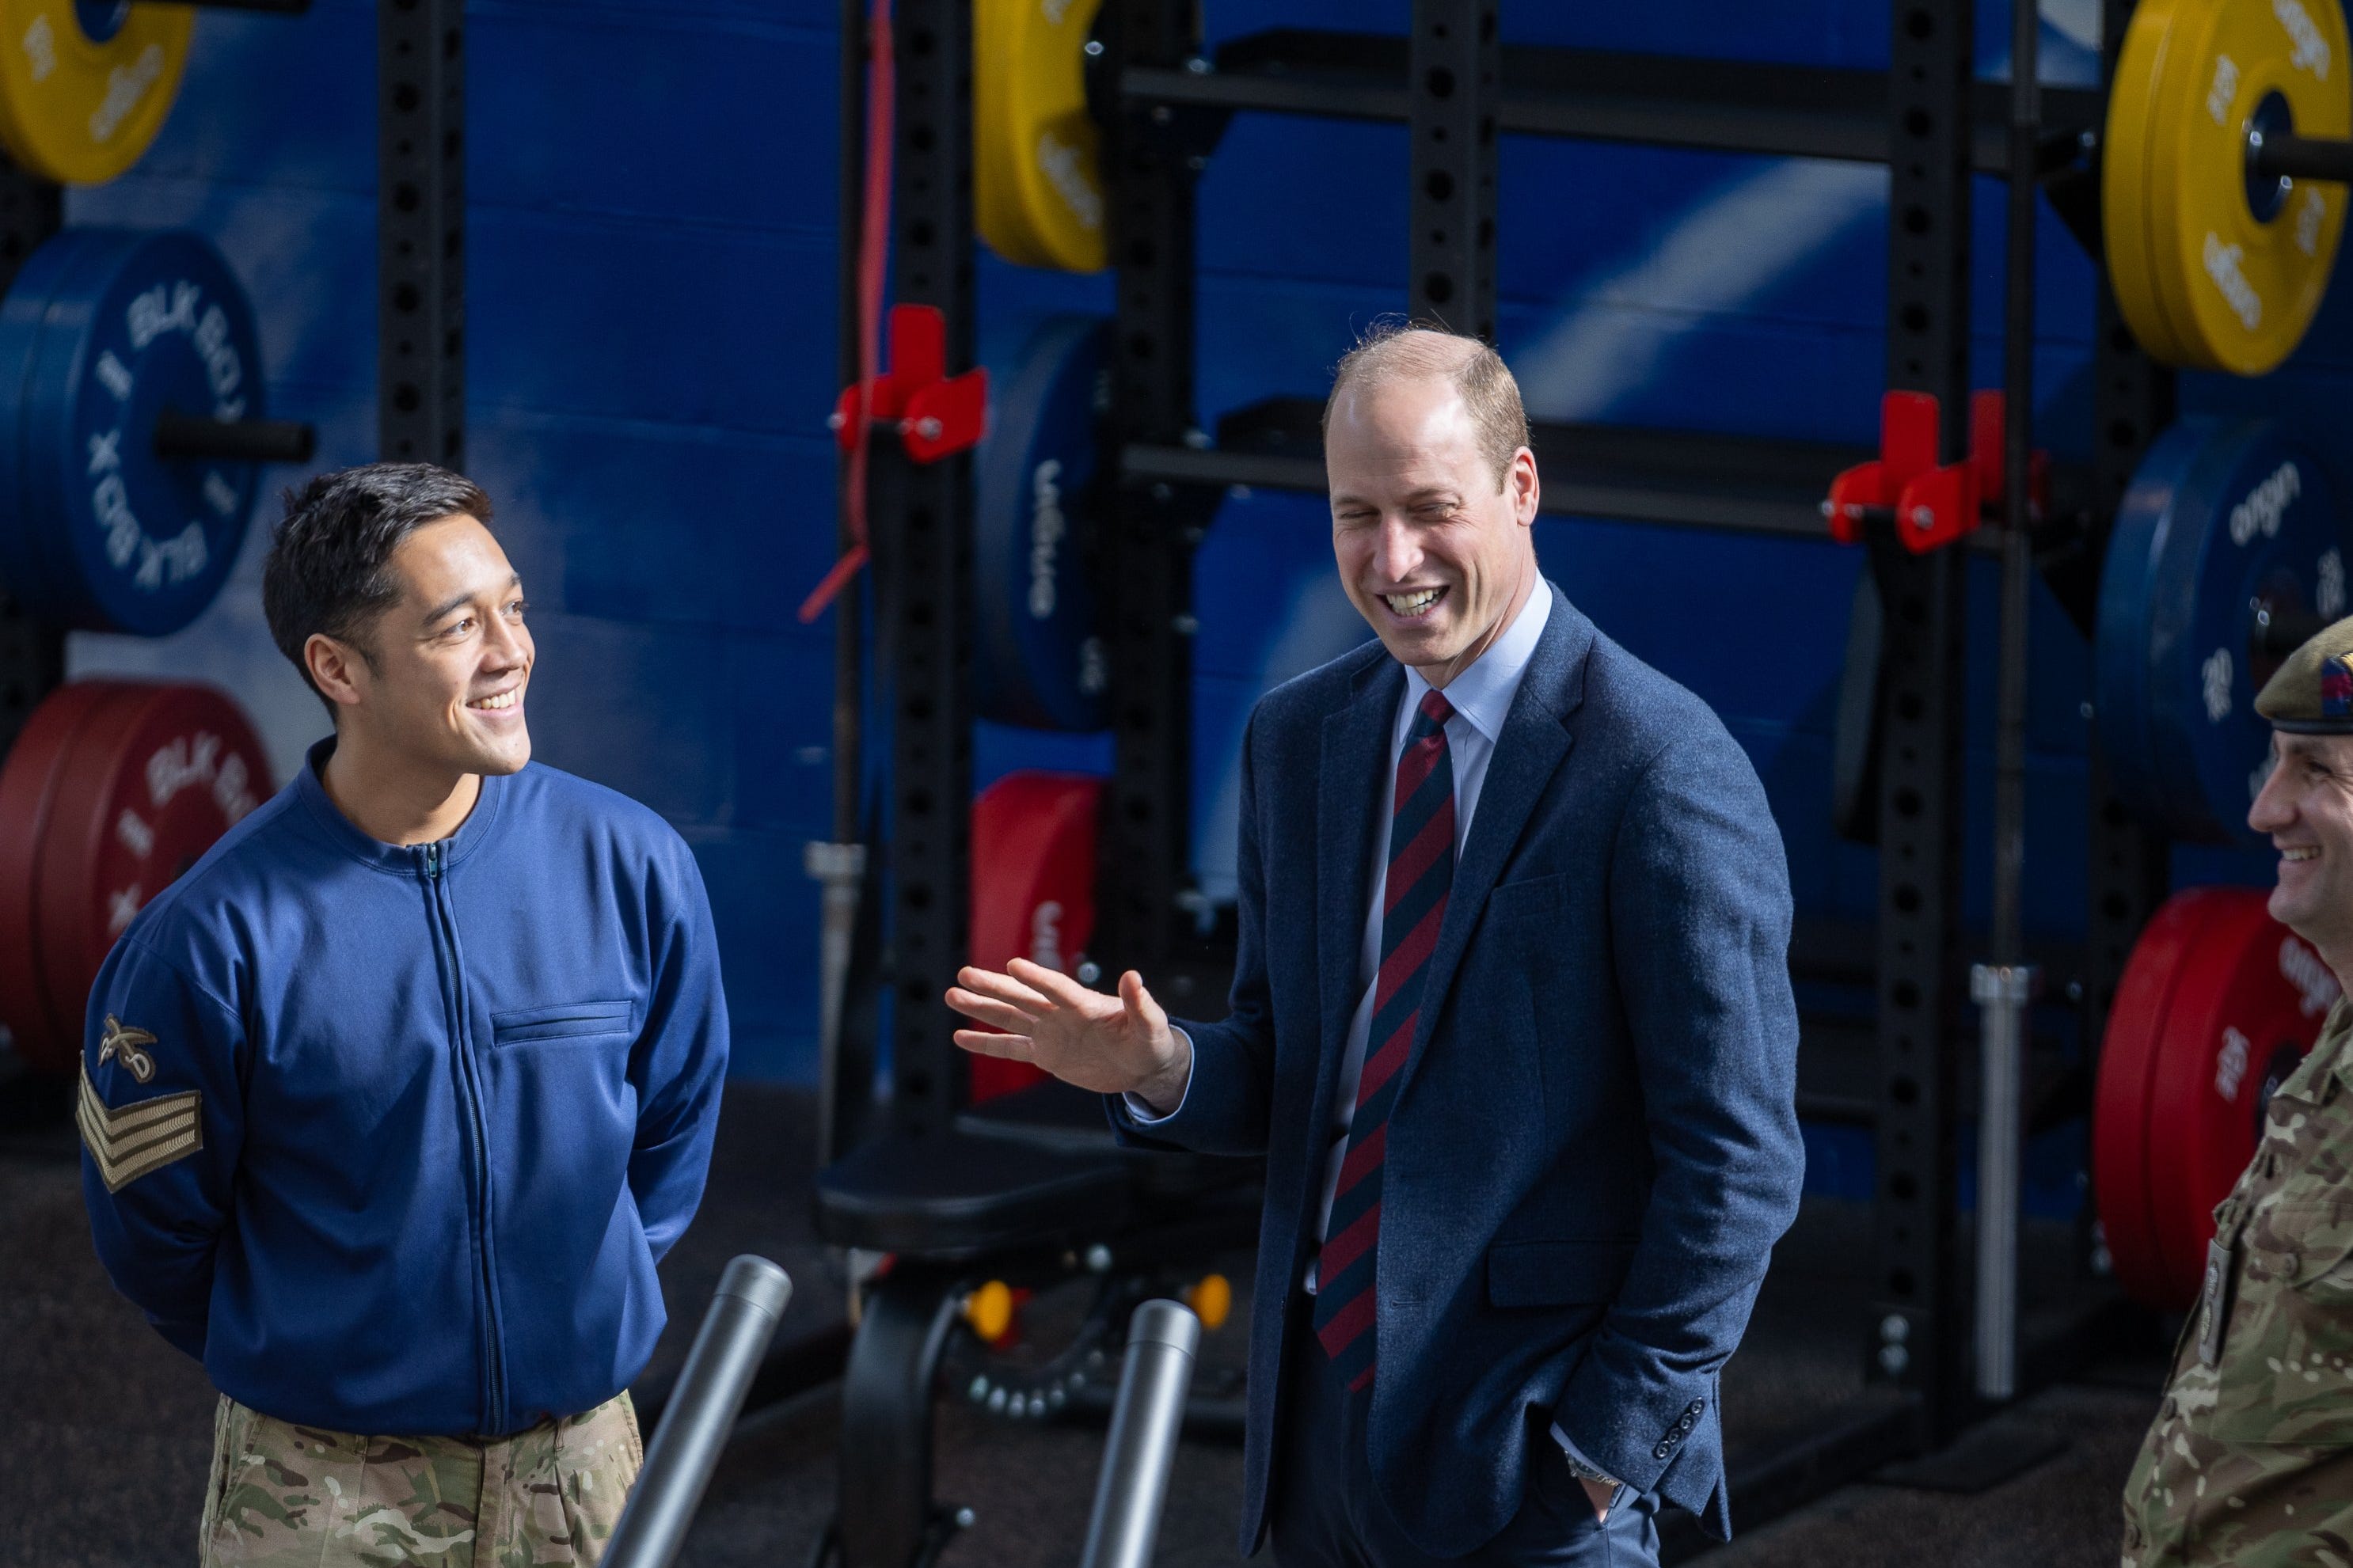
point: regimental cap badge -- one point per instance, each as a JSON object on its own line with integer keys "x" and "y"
{"x": 2312, "y": 691}
{"x": 127, "y": 1045}
{"x": 2337, "y": 686}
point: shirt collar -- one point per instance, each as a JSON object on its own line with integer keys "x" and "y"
{"x": 1483, "y": 693}
{"x": 399, "y": 858}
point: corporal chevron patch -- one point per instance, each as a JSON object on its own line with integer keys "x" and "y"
{"x": 143, "y": 1136}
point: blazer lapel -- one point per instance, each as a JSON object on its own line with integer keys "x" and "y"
{"x": 1527, "y": 753}
{"x": 1356, "y": 755}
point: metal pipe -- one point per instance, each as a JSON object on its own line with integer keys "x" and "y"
{"x": 201, "y": 437}
{"x": 2000, "y": 987}
{"x": 1134, "y": 1484}
{"x": 2002, "y": 991}
{"x": 701, "y": 1411}
{"x": 2285, "y": 155}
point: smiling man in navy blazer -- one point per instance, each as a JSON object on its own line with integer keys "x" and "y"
{"x": 1510, "y": 1022}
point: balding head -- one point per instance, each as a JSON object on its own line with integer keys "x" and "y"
{"x": 1393, "y": 352}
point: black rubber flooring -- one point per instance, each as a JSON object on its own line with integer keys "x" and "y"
{"x": 109, "y": 1428}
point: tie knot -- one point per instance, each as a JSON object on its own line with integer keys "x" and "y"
{"x": 1435, "y": 711}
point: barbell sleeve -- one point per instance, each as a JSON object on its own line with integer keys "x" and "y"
{"x": 181, "y": 436}
{"x": 700, "y": 1413}
{"x": 2290, "y": 156}
{"x": 1144, "y": 1423}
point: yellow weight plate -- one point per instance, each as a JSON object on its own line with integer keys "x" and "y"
{"x": 2128, "y": 236}
{"x": 2241, "y": 282}
{"x": 1037, "y": 189}
{"x": 84, "y": 87}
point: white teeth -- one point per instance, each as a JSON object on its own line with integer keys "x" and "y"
{"x": 503, "y": 700}
{"x": 1412, "y": 604}
{"x": 2300, "y": 854}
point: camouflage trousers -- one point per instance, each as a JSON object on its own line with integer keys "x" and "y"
{"x": 284, "y": 1496}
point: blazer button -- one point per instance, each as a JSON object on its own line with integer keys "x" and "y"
{"x": 1697, "y": 1407}
{"x": 1659, "y": 1452}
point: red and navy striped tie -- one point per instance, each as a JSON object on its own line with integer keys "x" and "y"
{"x": 1422, "y": 871}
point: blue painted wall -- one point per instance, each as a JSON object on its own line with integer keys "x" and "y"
{"x": 651, "y": 339}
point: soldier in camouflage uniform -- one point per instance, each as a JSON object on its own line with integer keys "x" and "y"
{"x": 2249, "y": 1461}
{"x": 393, "y": 1104}
{"x": 549, "y": 1495}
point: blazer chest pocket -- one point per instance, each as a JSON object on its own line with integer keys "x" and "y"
{"x": 1532, "y": 896}
{"x": 563, "y": 1021}
{"x": 1557, "y": 1273}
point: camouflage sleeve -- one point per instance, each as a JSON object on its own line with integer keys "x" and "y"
{"x": 161, "y": 1122}
{"x": 680, "y": 1059}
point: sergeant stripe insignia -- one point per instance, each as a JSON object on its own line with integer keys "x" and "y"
{"x": 143, "y": 1136}
{"x": 122, "y": 1043}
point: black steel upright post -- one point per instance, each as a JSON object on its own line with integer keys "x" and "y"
{"x": 2129, "y": 864}
{"x": 920, "y": 519}
{"x": 1915, "y": 1335}
{"x": 1455, "y": 60}
{"x": 32, "y": 653}
{"x": 421, "y": 231}
{"x": 1147, "y": 583}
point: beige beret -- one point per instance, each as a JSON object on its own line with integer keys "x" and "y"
{"x": 2312, "y": 693}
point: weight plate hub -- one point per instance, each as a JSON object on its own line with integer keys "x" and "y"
{"x": 86, "y": 84}
{"x": 1036, "y": 186}
{"x": 1038, "y": 660}
{"x": 1033, "y": 888}
{"x": 2219, "y": 1003}
{"x": 103, "y": 331}
{"x": 2225, "y": 530}
{"x": 133, "y": 782}
{"x": 2213, "y": 267}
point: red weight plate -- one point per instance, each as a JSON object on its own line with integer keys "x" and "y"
{"x": 2251, "y": 1001}
{"x": 2120, "y": 1105}
{"x": 29, "y": 781}
{"x": 157, "y": 775}
{"x": 1033, "y": 888}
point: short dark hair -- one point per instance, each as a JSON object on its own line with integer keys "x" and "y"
{"x": 329, "y": 568}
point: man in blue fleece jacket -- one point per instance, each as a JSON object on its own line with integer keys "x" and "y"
{"x": 392, "y": 1103}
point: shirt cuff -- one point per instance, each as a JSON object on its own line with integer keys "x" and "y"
{"x": 1140, "y": 1109}
{"x": 1580, "y": 1466}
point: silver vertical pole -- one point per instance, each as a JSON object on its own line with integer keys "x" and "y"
{"x": 2002, "y": 991}
{"x": 2002, "y": 987}
{"x": 1161, "y": 1340}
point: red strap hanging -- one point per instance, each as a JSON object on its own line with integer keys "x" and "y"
{"x": 873, "y": 250}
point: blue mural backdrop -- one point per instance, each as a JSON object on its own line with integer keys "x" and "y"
{"x": 650, "y": 332}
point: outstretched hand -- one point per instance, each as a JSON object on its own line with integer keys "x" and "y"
{"x": 1106, "y": 1044}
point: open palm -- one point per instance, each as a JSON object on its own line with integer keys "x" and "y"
{"x": 1106, "y": 1044}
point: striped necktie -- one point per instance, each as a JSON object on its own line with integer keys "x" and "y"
{"x": 1413, "y": 903}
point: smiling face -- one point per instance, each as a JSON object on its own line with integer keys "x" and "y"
{"x": 448, "y": 661}
{"x": 2306, "y": 807}
{"x": 1435, "y": 554}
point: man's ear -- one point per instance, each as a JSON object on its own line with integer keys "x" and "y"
{"x": 1526, "y": 489}
{"x": 337, "y": 669}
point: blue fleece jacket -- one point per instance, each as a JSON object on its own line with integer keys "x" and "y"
{"x": 393, "y": 1136}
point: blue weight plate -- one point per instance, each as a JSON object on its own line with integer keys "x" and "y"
{"x": 26, "y": 567}
{"x": 1039, "y": 658}
{"x": 146, "y": 322}
{"x": 2254, "y": 525}
{"x": 2120, "y": 690}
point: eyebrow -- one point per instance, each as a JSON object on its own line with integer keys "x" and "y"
{"x": 1427, "y": 492}
{"x": 459, "y": 601}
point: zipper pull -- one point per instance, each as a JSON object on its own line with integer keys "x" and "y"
{"x": 432, "y": 862}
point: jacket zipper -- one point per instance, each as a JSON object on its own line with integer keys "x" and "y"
{"x": 477, "y": 1129}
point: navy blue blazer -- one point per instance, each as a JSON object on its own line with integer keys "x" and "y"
{"x": 1594, "y": 1145}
